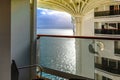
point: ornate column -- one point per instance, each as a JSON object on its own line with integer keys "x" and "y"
{"x": 77, "y": 20}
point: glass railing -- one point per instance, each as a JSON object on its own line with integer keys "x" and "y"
{"x": 117, "y": 51}
{"x": 52, "y": 77}
{"x": 71, "y": 57}
{"x": 108, "y": 31}
{"x": 106, "y": 13}
{"x": 108, "y": 69}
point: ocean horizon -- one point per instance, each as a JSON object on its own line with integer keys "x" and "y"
{"x": 55, "y": 31}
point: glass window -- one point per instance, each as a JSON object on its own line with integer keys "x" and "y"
{"x": 118, "y": 65}
{"x": 112, "y": 25}
{"x": 112, "y": 10}
{"x": 105, "y": 62}
{"x": 118, "y": 25}
{"x": 117, "y": 47}
{"x": 105, "y": 78}
{"x": 112, "y": 64}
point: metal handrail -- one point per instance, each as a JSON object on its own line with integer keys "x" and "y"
{"x": 31, "y": 66}
{"x": 81, "y": 37}
{"x": 64, "y": 74}
{"x": 56, "y": 72}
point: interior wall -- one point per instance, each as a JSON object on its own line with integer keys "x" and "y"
{"x": 5, "y": 52}
{"x": 20, "y": 35}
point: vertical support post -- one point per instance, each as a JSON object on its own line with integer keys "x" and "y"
{"x": 78, "y": 25}
{"x": 33, "y": 7}
{"x": 5, "y": 39}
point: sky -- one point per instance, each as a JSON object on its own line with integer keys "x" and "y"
{"x": 50, "y": 19}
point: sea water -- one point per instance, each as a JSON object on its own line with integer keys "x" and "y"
{"x": 58, "y": 54}
{"x": 55, "y": 53}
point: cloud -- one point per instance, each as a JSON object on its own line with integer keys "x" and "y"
{"x": 49, "y": 19}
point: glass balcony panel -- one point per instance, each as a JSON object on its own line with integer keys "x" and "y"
{"x": 61, "y": 54}
{"x": 107, "y": 13}
{"x": 56, "y": 54}
{"x": 52, "y": 77}
{"x": 74, "y": 55}
{"x": 107, "y": 31}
